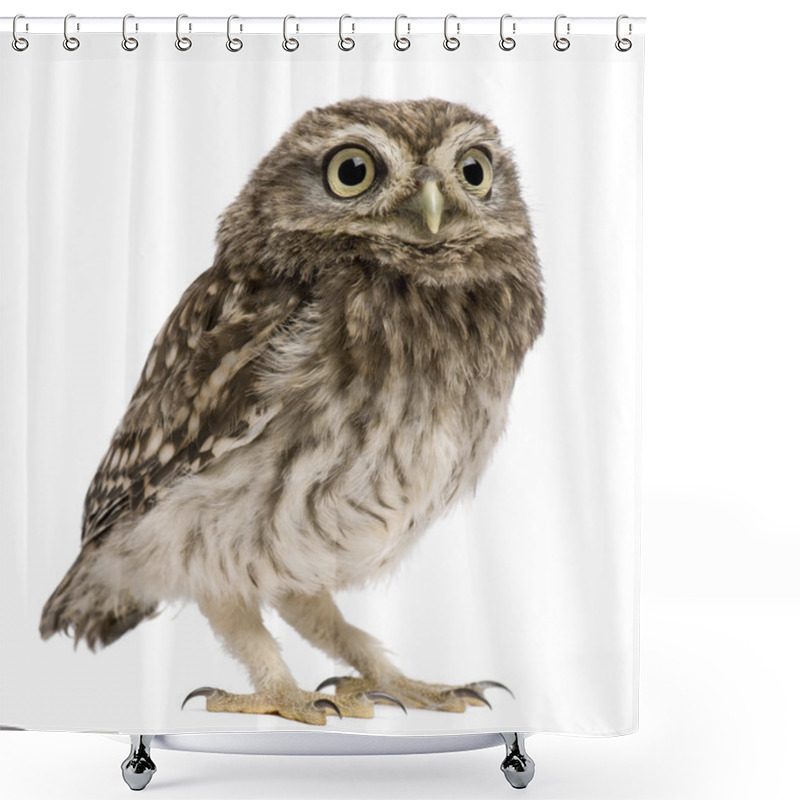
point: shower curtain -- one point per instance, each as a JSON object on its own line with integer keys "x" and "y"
{"x": 117, "y": 163}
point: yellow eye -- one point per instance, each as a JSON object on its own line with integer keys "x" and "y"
{"x": 350, "y": 172}
{"x": 475, "y": 170}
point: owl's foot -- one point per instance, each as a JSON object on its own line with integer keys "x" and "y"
{"x": 293, "y": 703}
{"x": 417, "y": 694}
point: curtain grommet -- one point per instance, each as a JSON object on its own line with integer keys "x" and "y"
{"x": 401, "y": 43}
{"x": 19, "y": 43}
{"x": 507, "y": 43}
{"x": 71, "y": 43}
{"x": 451, "y": 43}
{"x": 234, "y": 45}
{"x": 183, "y": 43}
{"x": 129, "y": 43}
{"x": 346, "y": 43}
{"x": 289, "y": 44}
{"x": 561, "y": 43}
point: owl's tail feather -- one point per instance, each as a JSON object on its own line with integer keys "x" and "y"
{"x": 87, "y": 608}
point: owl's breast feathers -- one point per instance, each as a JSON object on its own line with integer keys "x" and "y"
{"x": 242, "y": 357}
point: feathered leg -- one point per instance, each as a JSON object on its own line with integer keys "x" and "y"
{"x": 317, "y": 618}
{"x": 244, "y": 635}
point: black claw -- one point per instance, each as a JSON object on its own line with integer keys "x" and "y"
{"x": 465, "y": 691}
{"x": 377, "y": 695}
{"x": 329, "y": 682}
{"x": 203, "y": 691}
{"x": 493, "y": 685}
{"x": 323, "y": 702}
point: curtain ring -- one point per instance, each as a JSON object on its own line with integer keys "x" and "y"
{"x": 70, "y": 42}
{"x": 506, "y": 42}
{"x": 623, "y": 45}
{"x": 181, "y": 42}
{"x": 234, "y": 45}
{"x": 345, "y": 42}
{"x": 561, "y": 43}
{"x": 18, "y": 42}
{"x": 451, "y": 42}
{"x": 289, "y": 44}
{"x": 401, "y": 42}
{"x": 129, "y": 43}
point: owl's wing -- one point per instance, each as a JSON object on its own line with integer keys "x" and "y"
{"x": 195, "y": 400}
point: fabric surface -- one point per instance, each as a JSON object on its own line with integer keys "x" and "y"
{"x": 115, "y": 168}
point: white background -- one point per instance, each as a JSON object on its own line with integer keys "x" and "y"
{"x": 720, "y": 551}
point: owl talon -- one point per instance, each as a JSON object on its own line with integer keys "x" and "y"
{"x": 334, "y": 681}
{"x": 407, "y": 693}
{"x": 493, "y": 685}
{"x": 378, "y": 695}
{"x": 202, "y": 691}
{"x": 324, "y": 703}
{"x": 465, "y": 691}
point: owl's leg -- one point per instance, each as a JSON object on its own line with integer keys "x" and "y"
{"x": 245, "y": 637}
{"x": 317, "y": 618}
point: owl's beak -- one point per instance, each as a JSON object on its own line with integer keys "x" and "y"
{"x": 429, "y": 202}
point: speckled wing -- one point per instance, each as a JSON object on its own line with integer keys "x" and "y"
{"x": 194, "y": 401}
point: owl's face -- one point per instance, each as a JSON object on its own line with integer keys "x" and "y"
{"x": 420, "y": 186}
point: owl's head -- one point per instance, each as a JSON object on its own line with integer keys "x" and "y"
{"x": 420, "y": 186}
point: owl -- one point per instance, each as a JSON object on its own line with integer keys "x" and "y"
{"x": 317, "y": 398}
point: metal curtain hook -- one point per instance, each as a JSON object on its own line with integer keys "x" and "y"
{"x": 345, "y": 42}
{"x": 234, "y": 45}
{"x": 623, "y": 45}
{"x": 19, "y": 43}
{"x": 507, "y": 42}
{"x": 129, "y": 43}
{"x": 451, "y": 42}
{"x": 561, "y": 43}
{"x": 289, "y": 44}
{"x": 181, "y": 42}
{"x": 401, "y": 42}
{"x": 70, "y": 42}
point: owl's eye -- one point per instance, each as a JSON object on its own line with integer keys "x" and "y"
{"x": 350, "y": 171}
{"x": 475, "y": 170}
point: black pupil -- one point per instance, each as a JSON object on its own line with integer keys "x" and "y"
{"x": 473, "y": 172}
{"x": 352, "y": 171}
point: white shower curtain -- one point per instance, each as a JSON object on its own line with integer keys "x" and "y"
{"x": 115, "y": 168}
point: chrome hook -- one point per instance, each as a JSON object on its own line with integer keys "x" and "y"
{"x": 561, "y": 43}
{"x": 451, "y": 42}
{"x": 129, "y": 43}
{"x": 507, "y": 42}
{"x": 345, "y": 42}
{"x": 234, "y": 45}
{"x": 289, "y": 44}
{"x": 182, "y": 42}
{"x": 70, "y": 42}
{"x": 19, "y": 43}
{"x": 401, "y": 42}
{"x": 623, "y": 45}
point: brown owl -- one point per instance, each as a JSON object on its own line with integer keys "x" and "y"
{"x": 329, "y": 387}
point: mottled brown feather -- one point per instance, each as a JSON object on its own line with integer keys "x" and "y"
{"x": 203, "y": 329}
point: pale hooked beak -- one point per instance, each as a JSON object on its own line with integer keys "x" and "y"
{"x": 429, "y": 202}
